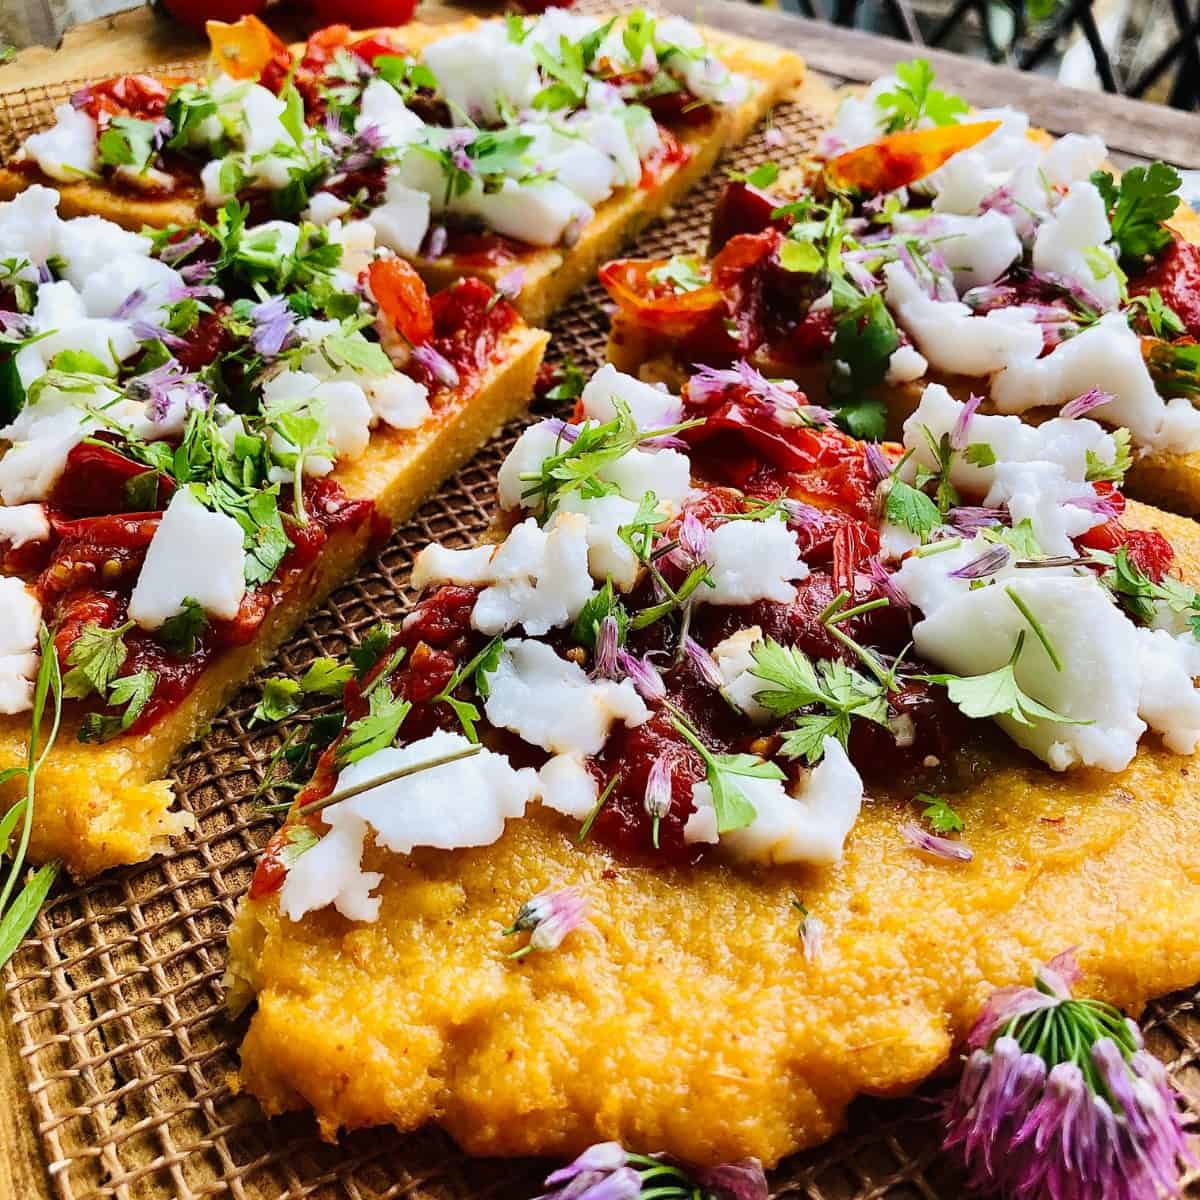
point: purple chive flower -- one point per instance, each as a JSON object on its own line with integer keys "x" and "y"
{"x": 971, "y": 518}
{"x": 988, "y": 563}
{"x": 885, "y": 582}
{"x": 563, "y": 430}
{"x": 657, "y": 799}
{"x": 938, "y": 847}
{"x": 15, "y": 324}
{"x": 607, "y": 1172}
{"x": 509, "y": 285}
{"x": 130, "y": 304}
{"x": 803, "y": 516}
{"x": 709, "y": 384}
{"x": 775, "y": 138}
{"x": 435, "y": 242}
{"x": 1102, "y": 506}
{"x": 607, "y": 644}
{"x": 437, "y": 364}
{"x": 274, "y": 324}
{"x": 159, "y": 389}
{"x": 173, "y": 252}
{"x": 693, "y": 537}
{"x": 1001, "y": 201}
{"x": 861, "y": 278}
{"x": 548, "y": 917}
{"x": 197, "y": 272}
{"x": 1090, "y": 399}
{"x": 958, "y": 435}
{"x": 878, "y": 466}
{"x": 705, "y": 664}
{"x": 646, "y": 679}
{"x": 1059, "y": 1100}
{"x": 147, "y": 331}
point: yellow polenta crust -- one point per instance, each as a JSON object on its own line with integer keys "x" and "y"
{"x": 550, "y": 275}
{"x": 690, "y": 1021}
{"x": 101, "y": 806}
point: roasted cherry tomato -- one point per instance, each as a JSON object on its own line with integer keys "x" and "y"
{"x": 143, "y": 96}
{"x": 243, "y": 49}
{"x": 403, "y": 298}
{"x": 902, "y": 158}
{"x": 376, "y": 45}
{"x": 657, "y": 306}
{"x": 367, "y": 13}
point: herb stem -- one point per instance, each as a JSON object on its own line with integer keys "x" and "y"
{"x": 1036, "y": 626}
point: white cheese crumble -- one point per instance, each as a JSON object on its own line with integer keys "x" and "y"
{"x": 551, "y": 702}
{"x": 448, "y": 807}
{"x": 752, "y": 560}
{"x": 568, "y": 787}
{"x": 651, "y": 407}
{"x": 22, "y": 618}
{"x": 951, "y": 337}
{"x": 481, "y": 71}
{"x": 194, "y": 554}
{"x": 67, "y": 150}
{"x": 1106, "y": 355}
{"x": 808, "y": 828}
{"x": 402, "y": 220}
{"x": 21, "y": 524}
{"x": 735, "y": 661}
{"x": 1071, "y": 243}
{"x": 978, "y": 249}
{"x": 29, "y": 229}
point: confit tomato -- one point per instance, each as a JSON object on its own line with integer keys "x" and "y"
{"x": 243, "y": 49}
{"x": 367, "y": 13}
{"x": 657, "y": 306}
{"x": 902, "y": 158}
{"x": 142, "y": 96}
{"x": 402, "y": 298}
{"x": 1176, "y": 275}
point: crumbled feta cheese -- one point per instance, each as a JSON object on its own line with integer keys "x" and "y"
{"x": 808, "y": 828}
{"x": 568, "y": 787}
{"x": 21, "y": 524}
{"x": 550, "y": 702}
{"x": 972, "y": 631}
{"x": 651, "y": 407}
{"x": 480, "y": 72}
{"x": 1065, "y": 441}
{"x": 339, "y": 404}
{"x": 88, "y": 244}
{"x": 735, "y": 661}
{"x": 22, "y": 618}
{"x": 580, "y": 162}
{"x": 609, "y": 556}
{"x": 357, "y": 240}
{"x": 539, "y": 578}
{"x": 402, "y": 220}
{"x": 194, "y": 554}
{"x": 1169, "y": 701}
{"x": 1108, "y": 356}
{"x": 382, "y": 108}
{"x": 106, "y": 291}
{"x": 67, "y": 150}
{"x": 437, "y": 564}
{"x": 906, "y": 365}
{"x": 58, "y": 304}
{"x": 538, "y": 212}
{"x": 977, "y": 249}
{"x": 951, "y": 337}
{"x": 752, "y": 560}
{"x": 1072, "y": 157}
{"x": 448, "y": 807}
{"x": 324, "y": 207}
{"x": 111, "y": 342}
{"x": 29, "y": 228}
{"x": 1041, "y": 493}
{"x": 1071, "y": 244}
{"x": 41, "y": 438}
{"x": 397, "y": 400}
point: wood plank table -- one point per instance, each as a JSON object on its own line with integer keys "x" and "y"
{"x": 138, "y": 40}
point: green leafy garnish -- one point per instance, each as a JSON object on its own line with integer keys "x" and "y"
{"x": 760, "y": 177}
{"x": 371, "y": 648}
{"x": 128, "y": 142}
{"x": 1138, "y": 205}
{"x": 911, "y": 509}
{"x": 179, "y": 633}
{"x": 682, "y": 272}
{"x": 938, "y": 814}
{"x": 604, "y": 603}
{"x": 95, "y": 657}
{"x": 474, "y": 672}
{"x": 1099, "y": 471}
{"x": 915, "y": 99}
{"x": 377, "y": 730}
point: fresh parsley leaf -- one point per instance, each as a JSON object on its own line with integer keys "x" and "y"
{"x": 1175, "y": 367}
{"x": 1153, "y": 312}
{"x": 266, "y": 540}
{"x": 1111, "y": 472}
{"x": 937, "y": 812}
{"x": 371, "y": 648}
{"x": 280, "y": 698}
{"x": 682, "y": 272}
{"x": 980, "y": 454}
{"x": 1144, "y": 198}
{"x": 733, "y": 808}
{"x": 911, "y": 509}
{"x": 375, "y": 731}
{"x": 800, "y": 257}
{"x": 80, "y": 362}
{"x": 998, "y": 694}
{"x": 864, "y": 338}
{"x": 915, "y": 98}
{"x": 326, "y": 677}
{"x": 354, "y": 351}
{"x": 604, "y": 603}
{"x": 179, "y": 633}
{"x": 128, "y": 142}
{"x": 95, "y": 657}
{"x": 571, "y": 382}
{"x": 762, "y": 176}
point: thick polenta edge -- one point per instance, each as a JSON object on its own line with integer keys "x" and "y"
{"x": 102, "y": 806}
{"x": 690, "y": 1021}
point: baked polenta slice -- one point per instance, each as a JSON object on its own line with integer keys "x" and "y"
{"x": 979, "y": 254}
{"x": 161, "y": 400}
{"x": 730, "y": 783}
{"x": 521, "y": 151}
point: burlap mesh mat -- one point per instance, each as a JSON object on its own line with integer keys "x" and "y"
{"x": 116, "y": 995}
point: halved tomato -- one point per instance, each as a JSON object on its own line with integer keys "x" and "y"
{"x": 402, "y": 298}
{"x": 657, "y": 306}
{"x": 243, "y": 49}
{"x": 902, "y": 158}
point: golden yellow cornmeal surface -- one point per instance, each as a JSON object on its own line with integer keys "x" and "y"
{"x": 690, "y": 1020}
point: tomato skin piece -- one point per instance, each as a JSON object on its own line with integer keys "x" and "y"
{"x": 902, "y": 158}
{"x": 655, "y": 306}
{"x": 243, "y": 49}
{"x": 402, "y": 298}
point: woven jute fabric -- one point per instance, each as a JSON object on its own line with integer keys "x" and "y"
{"x": 116, "y": 994}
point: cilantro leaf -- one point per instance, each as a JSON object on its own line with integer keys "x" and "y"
{"x": 179, "y": 633}
{"x": 980, "y": 454}
{"x": 571, "y": 382}
{"x": 937, "y": 812}
{"x": 1111, "y": 472}
{"x": 760, "y": 177}
{"x": 128, "y": 142}
{"x": 95, "y": 657}
{"x": 280, "y": 698}
{"x": 682, "y": 272}
{"x": 915, "y": 98}
{"x": 371, "y": 648}
{"x": 1139, "y": 204}
{"x": 377, "y": 730}
{"x": 864, "y": 338}
{"x": 733, "y": 808}
{"x": 603, "y": 604}
{"x": 1175, "y": 367}
{"x": 911, "y": 509}
{"x": 326, "y": 677}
